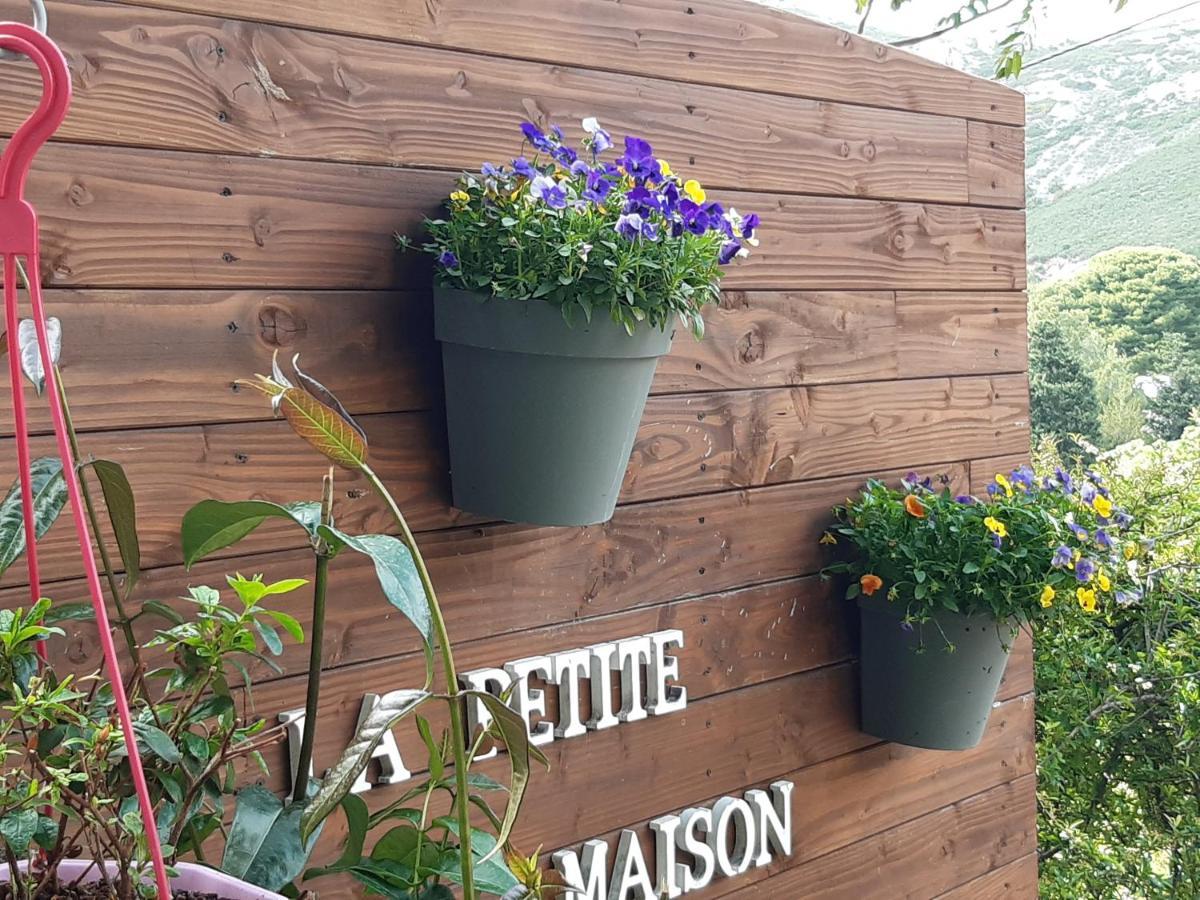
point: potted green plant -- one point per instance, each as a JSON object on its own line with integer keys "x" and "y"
{"x": 559, "y": 280}
{"x": 945, "y": 581}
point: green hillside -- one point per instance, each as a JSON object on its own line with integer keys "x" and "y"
{"x": 1155, "y": 200}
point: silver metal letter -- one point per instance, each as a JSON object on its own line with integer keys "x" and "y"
{"x": 602, "y": 664}
{"x": 773, "y": 818}
{"x": 632, "y": 654}
{"x": 591, "y": 877}
{"x": 725, "y": 811}
{"x": 527, "y": 701}
{"x": 662, "y": 698}
{"x": 568, "y": 669}
{"x": 666, "y": 830}
{"x": 695, "y": 824}
{"x": 630, "y": 878}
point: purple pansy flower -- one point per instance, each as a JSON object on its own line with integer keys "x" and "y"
{"x": 524, "y": 168}
{"x": 598, "y": 186}
{"x": 579, "y": 167}
{"x": 1087, "y": 492}
{"x": 1064, "y": 479}
{"x": 639, "y": 162}
{"x": 997, "y": 541}
{"x": 729, "y": 252}
{"x": 992, "y": 489}
{"x": 1128, "y": 598}
{"x": 1023, "y": 475}
{"x": 549, "y": 192}
{"x": 536, "y": 138}
{"x": 1102, "y": 539}
{"x": 1062, "y": 557}
{"x": 630, "y": 225}
{"x": 487, "y": 170}
{"x": 1123, "y": 520}
{"x": 601, "y": 140}
{"x": 750, "y": 225}
{"x": 1085, "y": 569}
{"x": 965, "y": 499}
{"x": 447, "y": 259}
{"x": 1078, "y": 530}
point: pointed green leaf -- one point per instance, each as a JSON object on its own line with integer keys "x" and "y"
{"x": 357, "y": 825}
{"x": 69, "y": 612}
{"x": 391, "y": 708}
{"x": 122, "y": 513}
{"x": 213, "y": 525}
{"x": 513, "y": 732}
{"x": 396, "y": 571}
{"x": 264, "y": 845}
{"x": 31, "y": 357}
{"x": 18, "y": 829}
{"x": 49, "y": 498}
{"x": 159, "y": 742}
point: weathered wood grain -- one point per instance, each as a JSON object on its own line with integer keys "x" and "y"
{"x": 119, "y": 217}
{"x": 649, "y": 553}
{"x": 1014, "y": 881}
{"x": 124, "y": 367}
{"x": 848, "y": 798}
{"x": 687, "y": 444}
{"x": 693, "y": 443}
{"x": 996, "y": 164}
{"x": 921, "y": 858}
{"x": 722, "y": 42}
{"x": 158, "y": 358}
{"x": 160, "y": 79}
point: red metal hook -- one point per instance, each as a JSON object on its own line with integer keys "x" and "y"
{"x": 19, "y": 237}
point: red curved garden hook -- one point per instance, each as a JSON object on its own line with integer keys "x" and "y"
{"x": 19, "y": 237}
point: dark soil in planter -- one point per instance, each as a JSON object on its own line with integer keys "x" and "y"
{"x": 97, "y": 891}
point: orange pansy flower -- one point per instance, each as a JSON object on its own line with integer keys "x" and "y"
{"x": 870, "y": 584}
{"x": 915, "y": 507}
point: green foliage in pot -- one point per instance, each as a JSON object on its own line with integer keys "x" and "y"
{"x": 626, "y": 238}
{"x": 65, "y": 785}
{"x": 1025, "y": 551}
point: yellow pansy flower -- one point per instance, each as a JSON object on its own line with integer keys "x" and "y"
{"x": 1086, "y": 598}
{"x": 995, "y": 526}
{"x": 1047, "y": 597}
{"x": 1004, "y": 483}
{"x": 828, "y": 538}
{"x": 1102, "y": 505}
{"x": 1102, "y": 580}
{"x": 695, "y": 193}
{"x": 1131, "y": 550}
{"x": 666, "y": 170}
{"x": 460, "y": 197}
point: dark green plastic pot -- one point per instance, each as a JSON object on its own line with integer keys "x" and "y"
{"x": 541, "y": 417}
{"x": 935, "y": 699}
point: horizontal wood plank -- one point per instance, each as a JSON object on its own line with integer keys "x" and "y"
{"x": 1016, "y": 880}
{"x": 694, "y": 443}
{"x": 649, "y": 553}
{"x": 996, "y": 164}
{"x": 840, "y": 801}
{"x": 723, "y": 42}
{"x": 124, "y": 368}
{"x": 160, "y": 79}
{"x": 921, "y": 858}
{"x": 110, "y": 218}
{"x": 687, "y": 444}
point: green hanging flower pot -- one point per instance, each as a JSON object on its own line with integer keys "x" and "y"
{"x": 919, "y": 692}
{"x": 541, "y": 416}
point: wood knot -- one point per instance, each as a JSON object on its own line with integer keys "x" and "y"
{"x": 261, "y": 229}
{"x": 844, "y": 39}
{"x": 279, "y": 327}
{"x": 900, "y": 241}
{"x": 751, "y": 347}
{"x": 869, "y": 150}
{"x": 844, "y": 150}
{"x": 78, "y": 194}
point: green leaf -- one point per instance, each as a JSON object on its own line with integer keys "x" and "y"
{"x": 288, "y": 623}
{"x": 512, "y": 730}
{"x": 391, "y": 708}
{"x": 970, "y": 568}
{"x": 437, "y": 765}
{"x": 264, "y": 846}
{"x": 213, "y": 525}
{"x": 18, "y": 829}
{"x": 492, "y": 875}
{"x": 337, "y": 438}
{"x": 270, "y": 637}
{"x": 49, "y": 498}
{"x": 158, "y": 741}
{"x": 122, "y": 513}
{"x": 396, "y": 571}
{"x": 69, "y": 612}
{"x": 162, "y": 611}
{"x": 357, "y": 826}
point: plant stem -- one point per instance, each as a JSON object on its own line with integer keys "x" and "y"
{"x": 457, "y": 729}
{"x": 316, "y": 648}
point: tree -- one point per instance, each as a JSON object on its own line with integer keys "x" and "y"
{"x": 1145, "y": 300}
{"x": 1174, "y": 408}
{"x": 1012, "y": 49}
{"x": 1062, "y": 392}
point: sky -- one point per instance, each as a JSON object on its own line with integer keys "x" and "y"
{"x": 1060, "y": 23}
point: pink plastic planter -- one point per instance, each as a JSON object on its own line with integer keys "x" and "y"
{"x": 191, "y": 877}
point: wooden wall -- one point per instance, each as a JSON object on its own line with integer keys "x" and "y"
{"x": 227, "y": 185}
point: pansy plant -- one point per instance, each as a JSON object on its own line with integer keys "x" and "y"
{"x": 589, "y": 230}
{"x": 1028, "y": 547}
